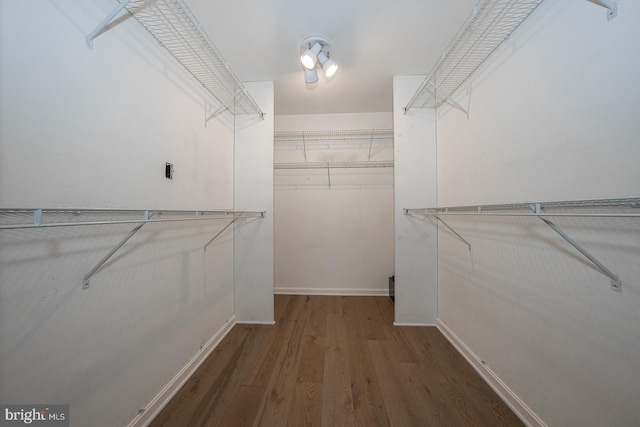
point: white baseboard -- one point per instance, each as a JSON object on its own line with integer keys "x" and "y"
{"x": 331, "y": 291}
{"x": 506, "y": 394}
{"x": 255, "y": 322}
{"x": 156, "y": 405}
{"x": 412, "y": 324}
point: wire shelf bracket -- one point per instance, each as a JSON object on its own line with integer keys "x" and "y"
{"x": 85, "y": 279}
{"x": 224, "y": 106}
{"x": 219, "y": 233}
{"x": 428, "y": 212}
{"x": 616, "y": 283}
{"x": 103, "y": 24}
{"x": 177, "y": 30}
{"x": 448, "y": 98}
{"x": 489, "y": 24}
{"x": 612, "y": 7}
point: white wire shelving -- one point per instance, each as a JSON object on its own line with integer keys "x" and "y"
{"x": 333, "y": 135}
{"x": 328, "y": 136}
{"x": 175, "y": 27}
{"x": 489, "y": 24}
{"x": 19, "y": 218}
{"x": 527, "y": 209}
{"x": 14, "y": 218}
{"x": 358, "y": 136}
{"x": 335, "y": 165}
{"x": 600, "y": 208}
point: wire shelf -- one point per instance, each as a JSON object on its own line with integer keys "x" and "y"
{"x": 179, "y": 32}
{"x": 333, "y": 135}
{"x": 12, "y": 218}
{"x": 600, "y": 208}
{"x": 617, "y": 207}
{"x": 334, "y": 165}
{"x": 489, "y": 24}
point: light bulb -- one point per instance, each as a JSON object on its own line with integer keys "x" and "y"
{"x": 328, "y": 65}
{"x": 309, "y": 57}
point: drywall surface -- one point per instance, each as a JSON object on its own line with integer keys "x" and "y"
{"x": 253, "y": 240}
{"x": 553, "y": 116}
{"x": 334, "y": 228}
{"x": 93, "y": 128}
{"x": 416, "y": 240}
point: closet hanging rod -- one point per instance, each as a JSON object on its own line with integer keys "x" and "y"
{"x": 37, "y": 216}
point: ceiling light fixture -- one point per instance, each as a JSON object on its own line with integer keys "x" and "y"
{"x": 314, "y": 50}
{"x": 310, "y": 76}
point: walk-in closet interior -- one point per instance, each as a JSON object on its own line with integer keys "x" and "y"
{"x": 179, "y": 175}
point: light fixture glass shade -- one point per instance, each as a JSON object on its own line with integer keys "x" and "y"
{"x": 328, "y": 65}
{"x": 309, "y": 57}
{"x": 310, "y": 76}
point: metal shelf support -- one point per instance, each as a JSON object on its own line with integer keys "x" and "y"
{"x": 222, "y": 107}
{"x": 101, "y": 26}
{"x": 304, "y": 148}
{"x": 610, "y": 5}
{"x": 616, "y": 283}
{"x": 85, "y": 279}
{"x": 427, "y": 212}
{"x": 219, "y": 233}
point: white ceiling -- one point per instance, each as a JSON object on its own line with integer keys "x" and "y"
{"x": 373, "y": 40}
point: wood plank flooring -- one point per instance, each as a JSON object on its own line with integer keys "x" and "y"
{"x": 335, "y": 361}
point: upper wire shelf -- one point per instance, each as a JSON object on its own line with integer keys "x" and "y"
{"x": 179, "y": 32}
{"x": 489, "y": 24}
{"x": 333, "y": 135}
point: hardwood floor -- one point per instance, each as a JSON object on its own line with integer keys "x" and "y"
{"x": 335, "y": 361}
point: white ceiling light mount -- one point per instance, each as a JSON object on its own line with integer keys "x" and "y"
{"x": 316, "y": 50}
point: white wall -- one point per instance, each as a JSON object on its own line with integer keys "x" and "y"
{"x": 553, "y": 117}
{"x": 253, "y": 245}
{"x": 97, "y": 125}
{"x": 334, "y": 239}
{"x": 416, "y": 241}
{"x": 84, "y": 127}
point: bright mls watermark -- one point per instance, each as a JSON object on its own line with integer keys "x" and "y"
{"x": 34, "y": 415}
